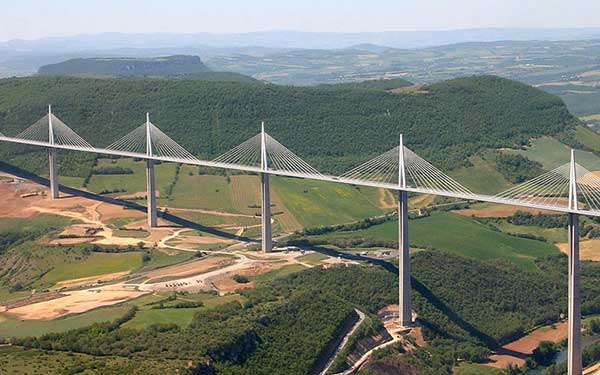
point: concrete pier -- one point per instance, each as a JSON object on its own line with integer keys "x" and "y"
{"x": 151, "y": 193}
{"x": 53, "y": 173}
{"x": 405, "y": 307}
{"x": 574, "y": 343}
{"x": 267, "y": 242}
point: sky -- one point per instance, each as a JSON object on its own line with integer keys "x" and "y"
{"x": 30, "y": 19}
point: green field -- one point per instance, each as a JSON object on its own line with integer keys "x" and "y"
{"x": 316, "y": 203}
{"x": 132, "y": 233}
{"x": 551, "y": 154}
{"x": 475, "y": 369}
{"x": 132, "y": 183}
{"x": 552, "y": 235}
{"x": 280, "y": 272}
{"x": 588, "y": 137}
{"x": 145, "y": 318}
{"x": 10, "y": 327}
{"x": 18, "y": 361}
{"x": 95, "y": 264}
{"x": 481, "y": 177}
{"x": 313, "y": 259}
{"x": 209, "y": 192}
{"x": 460, "y": 235}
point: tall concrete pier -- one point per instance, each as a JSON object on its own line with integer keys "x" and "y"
{"x": 405, "y": 306}
{"x": 151, "y": 193}
{"x": 405, "y": 312}
{"x": 150, "y": 180}
{"x": 53, "y": 173}
{"x": 574, "y": 360}
{"x": 265, "y": 195}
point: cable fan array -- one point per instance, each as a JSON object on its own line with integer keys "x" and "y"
{"x": 149, "y": 140}
{"x": 51, "y": 126}
{"x": 419, "y": 173}
{"x": 552, "y": 189}
{"x": 279, "y": 158}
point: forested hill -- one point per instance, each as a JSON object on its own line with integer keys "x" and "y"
{"x": 332, "y": 129}
{"x": 157, "y": 66}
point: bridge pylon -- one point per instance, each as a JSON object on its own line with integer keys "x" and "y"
{"x": 574, "y": 359}
{"x": 266, "y": 230}
{"x": 404, "y": 287}
{"x": 150, "y": 178}
{"x": 52, "y": 159}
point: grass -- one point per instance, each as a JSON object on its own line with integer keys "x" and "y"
{"x": 95, "y": 264}
{"x": 552, "y": 235}
{"x": 460, "y": 235}
{"x": 482, "y": 176}
{"x": 42, "y": 223}
{"x": 160, "y": 259}
{"x": 132, "y": 183}
{"x": 588, "y": 137}
{"x": 313, "y": 259}
{"x": 317, "y": 203}
{"x": 131, "y": 233}
{"x": 19, "y": 361}
{"x": 551, "y": 154}
{"x": 475, "y": 369}
{"x": 17, "y": 328}
{"x": 279, "y": 272}
{"x": 207, "y": 192}
{"x": 146, "y": 318}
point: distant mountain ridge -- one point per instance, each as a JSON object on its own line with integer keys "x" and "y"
{"x": 297, "y": 39}
{"x": 157, "y": 66}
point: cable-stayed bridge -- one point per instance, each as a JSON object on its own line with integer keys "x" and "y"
{"x": 570, "y": 188}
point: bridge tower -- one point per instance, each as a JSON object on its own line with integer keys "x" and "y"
{"x": 150, "y": 179}
{"x": 574, "y": 336}
{"x": 52, "y": 163}
{"x": 405, "y": 308}
{"x": 267, "y": 242}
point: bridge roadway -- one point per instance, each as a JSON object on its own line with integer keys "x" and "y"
{"x": 320, "y": 177}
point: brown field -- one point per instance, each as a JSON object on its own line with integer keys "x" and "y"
{"x": 588, "y": 249}
{"x": 74, "y": 302}
{"x": 191, "y": 268}
{"x": 287, "y": 221}
{"x": 244, "y": 192}
{"x": 386, "y": 199}
{"x": 12, "y": 203}
{"x": 516, "y": 351}
{"x": 499, "y": 210}
{"x": 225, "y": 284}
{"x": 91, "y": 279}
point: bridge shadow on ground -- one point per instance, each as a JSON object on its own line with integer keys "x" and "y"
{"x": 425, "y": 293}
{"x": 177, "y": 220}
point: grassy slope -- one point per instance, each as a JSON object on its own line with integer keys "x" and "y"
{"x": 551, "y": 154}
{"x": 95, "y": 264}
{"x": 132, "y": 183}
{"x": 463, "y": 236}
{"x": 316, "y": 203}
{"x": 481, "y": 177}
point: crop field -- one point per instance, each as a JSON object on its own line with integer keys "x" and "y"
{"x": 552, "y": 235}
{"x": 316, "y": 203}
{"x": 313, "y": 259}
{"x": 209, "y": 192}
{"x": 132, "y": 183}
{"x": 551, "y": 154}
{"x": 245, "y": 193}
{"x": 460, "y": 235}
{"x": 10, "y": 327}
{"x": 475, "y": 369}
{"x": 95, "y": 264}
{"x": 481, "y": 177}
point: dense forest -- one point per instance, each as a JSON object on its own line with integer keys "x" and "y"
{"x": 334, "y": 129}
{"x": 127, "y": 66}
{"x": 466, "y": 308}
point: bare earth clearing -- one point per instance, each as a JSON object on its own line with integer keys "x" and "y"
{"x": 516, "y": 351}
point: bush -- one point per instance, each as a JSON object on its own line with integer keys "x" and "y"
{"x": 242, "y": 279}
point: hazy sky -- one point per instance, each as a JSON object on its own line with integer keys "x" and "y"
{"x": 39, "y": 18}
